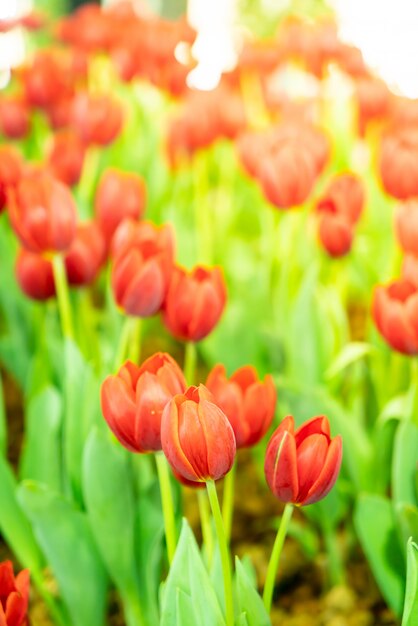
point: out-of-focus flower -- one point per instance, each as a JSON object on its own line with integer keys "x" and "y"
{"x": 43, "y": 213}
{"x": 31, "y": 21}
{"x": 248, "y": 402}
{"x": 35, "y": 275}
{"x": 66, "y": 157}
{"x": 406, "y": 225}
{"x": 399, "y": 163}
{"x": 302, "y": 466}
{"x": 14, "y": 117}
{"x": 336, "y": 233}
{"x": 344, "y": 196}
{"x": 373, "y": 99}
{"x": 119, "y": 195}
{"x": 144, "y": 258}
{"x": 410, "y": 269}
{"x": 47, "y": 80}
{"x": 195, "y": 302}
{"x": 395, "y": 313}
{"x": 10, "y": 172}
{"x": 14, "y": 596}
{"x": 86, "y": 254}
{"x": 97, "y": 118}
{"x": 197, "y": 437}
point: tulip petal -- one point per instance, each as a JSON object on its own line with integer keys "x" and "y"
{"x": 119, "y": 410}
{"x": 328, "y": 475}
{"x": 170, "y": 440}
{"x": 144, "y": 295}
{"x": 219, "y": 438}
{"x": 151, "y": 400}
{"x": 311, "y": 455}
{"x": 280, "y": 465}
{"x": 316, "y": 425}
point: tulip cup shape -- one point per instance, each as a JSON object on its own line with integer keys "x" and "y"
{"x": 134, "y": 399}
{"x": 248, "y": 402}
{"x": 344, "y": 196}
{"x": 98, "y": 119}
{"x": 395, "y": 313}
{"x": 399, "y": 164}
{"x": 195, "y": 302}
{"x": 66, "y": 157}
{"x": 335, "y": 234}
{"x": 14, "y": 596}
{"x": 197, "y": 437}
{"x": 35, "y": 275}
{"x": 86, "y": 255}
{"x": 302, "y": 466}
{"x": 406, "y": 226}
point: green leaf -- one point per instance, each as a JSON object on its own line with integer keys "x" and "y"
{"x": 185, "y": 610}
{"x": 405, "y": 463}
{"x": 410, "y": 612}
{"x": 65, "y": 536}
{"x": 375, "y": 523}
{"x": 41, "y": 455}
{"x": 407, "y": 515}
{"x": 249, "y": 600}
{"x": 351, "y": 353}
{"x": 242, "y": 620}
{"x": 383, "y": 437}
{"x": 3, "y": 422}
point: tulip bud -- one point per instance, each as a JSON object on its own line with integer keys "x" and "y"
{"x": 399, "y": 164}
{"x": 195, "y": 302}
{"x": 196, "y": 436}
{"x": 43, "y": 213}
{"x": 302, "y": 466}
{"x": 133, "y": 401}
{"x": 67, "y": 157}
{"x": 97, "y": 118}
{"x": 410, "y": 269}
{"x": 144, "y": 256}
{"x": 336, "y": 234}
{"x": 10, "y": 172}
{"x": 14, "y": 595}
{"x": 406, "y": 226}
{"x": 345, "y": 196}
{"x": 395, "y": 313}
{"x": 86, "y": 255}
{"x": 119, "y": 195}
{"x": 247, "y": 402}
{"x": 14, "y": 118}
{"x": 35, "y": 275}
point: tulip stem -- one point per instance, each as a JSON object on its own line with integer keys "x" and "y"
{"x": 275, "y": 556}
{"x": 167, "y": 504}
{"x": 202, "y": 210}
{"x": 228, "y": 501}
{"x": 190, "y": 358}
{"x": 129, "y": 345}
{"x": 335, "y": 564}
{"x": 135, "y": 339}
{"x": 413, "y": 392}
{"x": 223, "y": 547}
{"x": 205, "y": 521}
{"x": 63, "y": 296}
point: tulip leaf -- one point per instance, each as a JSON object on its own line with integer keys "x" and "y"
{"x": 242, "y": 620}
{"x": 41, "y": 455}
{"x": 184, "y": 609}
{"x": 410, "y": 612}
{"x": 383, "y": 437}
{"x": 351, "y": 353}
{"x": 66, "y": 539}
{"x": 375, "y": 523}
{"x": 249, "y": 600}
{"x": 3, "y": 422}
{"x": 407, "y": 515}
{"x": 405, "y": 463}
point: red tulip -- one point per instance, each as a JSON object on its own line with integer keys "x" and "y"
{"x": 336, "y": 234}
{"x": 247, "y": 402}
{"x": 195, "y": 302}
{"x": 406, "y": 225}
{"x": 399, "y": 164}
{"x": 97, "y": 118}
{"x": 302, "y": 466}
{"x": 47, "y": 80}
{"x": 374, "y": 99}
{"x": 86, "y": 255}
{"x": 197, "y": 437}
{"x": 10, "y": 172}
{"x": 133, "y": 401}
{"x": 410, "y": 269}
{"x": 14, "y": 117}
{"x": 144, "y": 257}
{"x": 35, "y": 275}
{"x": 345, "y": 196}
{"x": 395, "y": 312}
{"x": 119, "y": 195}
{"x": 67, "y": 157}
{"x": 43, "y": 213}
{"x": 14, "y": 596}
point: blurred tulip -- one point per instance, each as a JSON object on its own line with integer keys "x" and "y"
{"x": 67, "y": 157}
{"x": 197, "y": 437}
{"x": 11, "y": 167}
{"x": 46, "y": 80}
{"x": 195, "y": 302}
{"x": 43, "y": 213}
{"x": 14, "y": 596}
{"x": 35, "y": 275}
{"x": 302, "y": 466}
{"x": 335, "y": 233}
{"x": 86, "y": 255}
{"x": 119, "y": 195}
{"x": 406, "y": 225}
{"x": 133, "y": 401}
{"x": 374, "y": 100}
{"x": 344, "y": 196}
{"x": 247, "y": 402}
{"x": 144, "y": 257}
{"x": 98, "y": 119}
{"x": 14, "y": 117}
{"x": 399, "y": 164}
{"x": 395, "y": 312}
{"x": 410, "y": 269}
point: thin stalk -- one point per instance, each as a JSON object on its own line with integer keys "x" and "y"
{"x": 228, "y": 501}
{"x": 135, "y": 339}
{"x": 413, "y": 392}
{"x": 205, "y": 522}
{"x": 63, "y": 296}
{"x": 88, "y": 178}
{"x": 223, "y": 547}
{"x": 129, "y": 346}
{"x": 133, "y": 610}
{"x": 202, "y": 210}
{"x": 275, "y": 556}
{"x": 190, "y": 359}
{"x": 122, "y": 347}
{"x": 167, "y": 504}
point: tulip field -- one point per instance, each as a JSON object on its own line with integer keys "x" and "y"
{"x": 208, "y": 329}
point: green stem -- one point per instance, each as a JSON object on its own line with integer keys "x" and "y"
{"x": 335, "y": 564}
{"x": 190, "y": 359}
{"x": 228, "y": 501}
{"x": 129, "y": 346}
{"x": 275, "y": 556}
{"x": 413, "y": 392}
{"x": 205, "y": 521}
{"x": 135, "y": 339}
{"x": 167, "y": 504}
{"x": 133, "y": 610}
{"x": 202, "y": 210}
{"x": 63, "y": 296}
{"x": 88, "y": 177}
{"x": 223, "y": 547}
